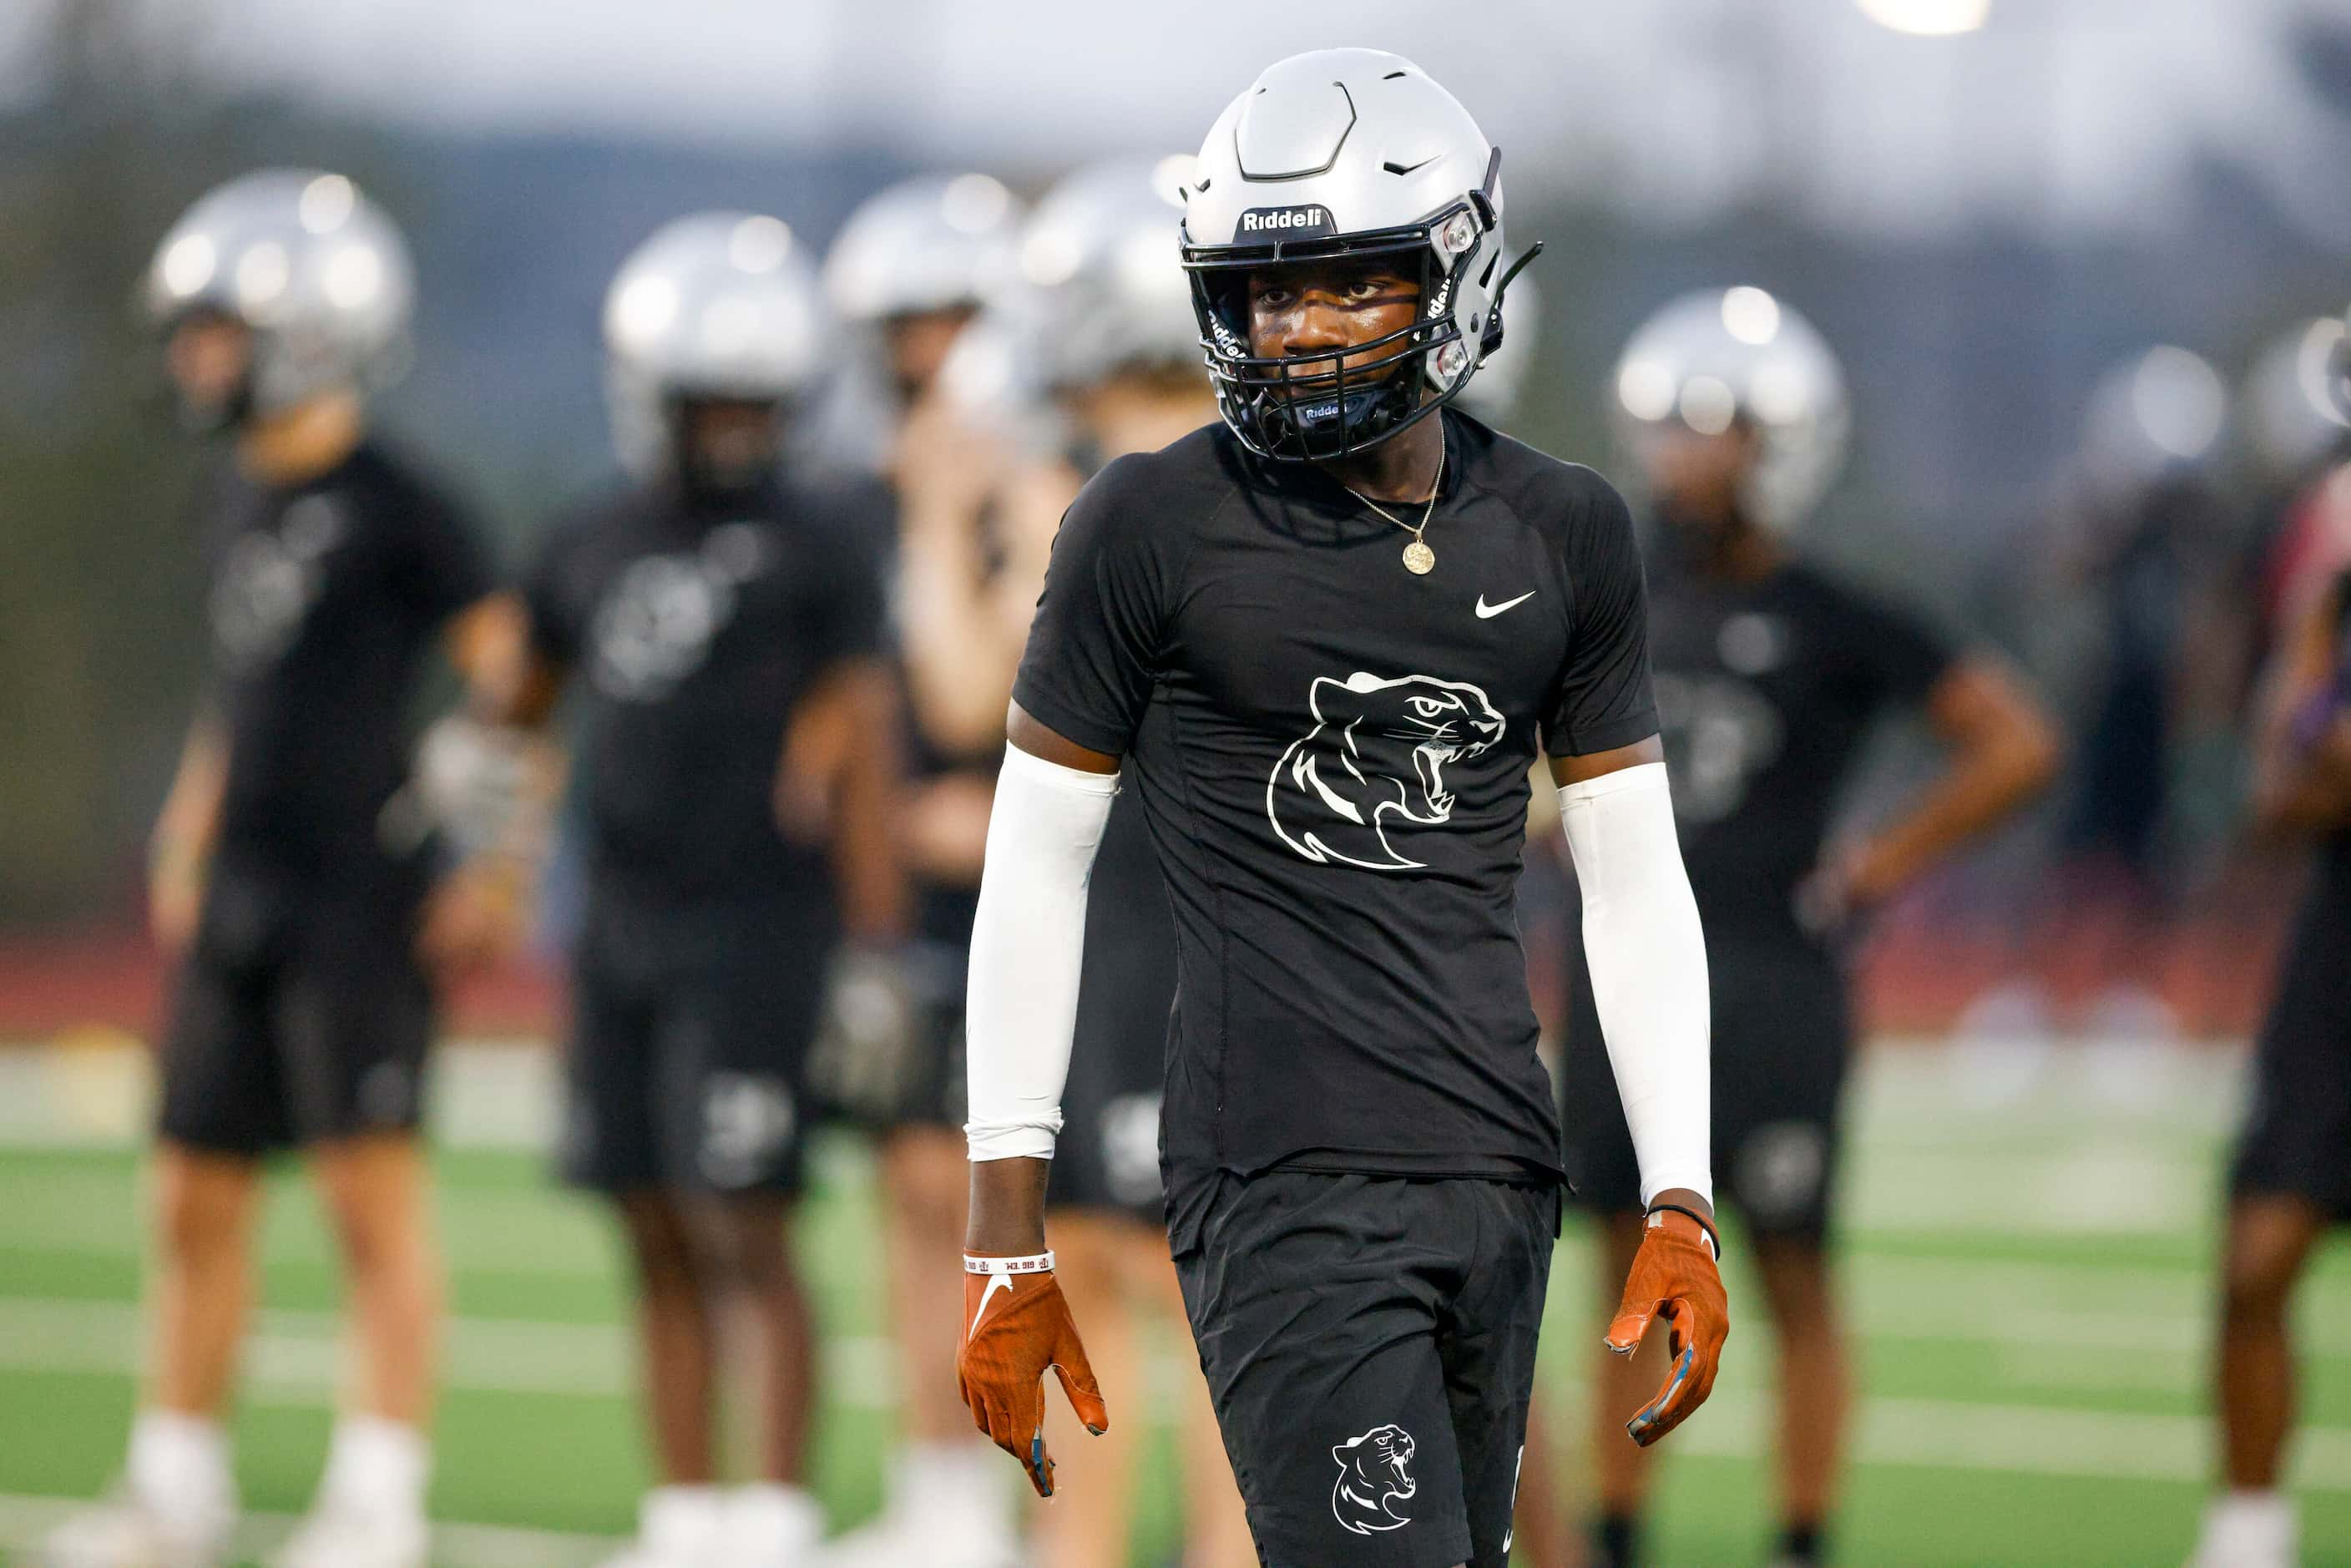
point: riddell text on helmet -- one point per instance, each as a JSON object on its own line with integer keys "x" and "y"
{"x": 1288, "y": 220}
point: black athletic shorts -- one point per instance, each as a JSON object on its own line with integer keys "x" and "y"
{"x": 1369, "y": 1343}
{"x": 2296, "y": 1137}
{"x": 691, "y": 1029}
{"x": 1107, "y": 1156}
{"x": 1782, "y": 1041}
{"x": 298, "y": 1017}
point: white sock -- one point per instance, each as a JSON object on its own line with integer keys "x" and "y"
{"x": 377, "y": 1467}
{"x": 178, "y": 1468}
{"x": 956, "y": 1483}
{"x": 769, "y": 1517}
{"x": 683, "y": 1520}
{"x": 2253, "y": 1528}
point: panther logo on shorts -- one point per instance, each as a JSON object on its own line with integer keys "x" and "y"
{"x": 1374, "y": 1476}
{"x": 1378, "y": 750}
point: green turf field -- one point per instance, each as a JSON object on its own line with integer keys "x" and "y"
{"x": 2031, "y": 1236}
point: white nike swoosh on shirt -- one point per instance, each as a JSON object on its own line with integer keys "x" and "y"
{"x": 1487, "y": 611}
{"x": 995, "y": 1282}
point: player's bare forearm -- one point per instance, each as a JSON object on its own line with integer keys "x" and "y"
{"x": 1007, "y": 1207}
{"x": 507, "y": 681}
{"x": 2002, "y": 751}
{"x": 184, "y": 827}
{"x": 2302, "y": 763}
{"x": 852, "y": 737}
{"x": 2306, "y": 789}
{"x": 180, "y": 851}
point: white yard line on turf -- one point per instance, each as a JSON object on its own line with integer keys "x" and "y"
{"x": 1919, "y": 1095}
{"x": 24, "y": 1521}
{"x": 294, "y": 1359}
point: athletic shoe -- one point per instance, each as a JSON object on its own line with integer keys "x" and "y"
{"x": 121, "y": 1532}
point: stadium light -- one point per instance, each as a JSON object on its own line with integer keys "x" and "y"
{"x": 1927, "y": 18}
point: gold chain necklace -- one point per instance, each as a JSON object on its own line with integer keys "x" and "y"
{"x": 1418, "y": 559}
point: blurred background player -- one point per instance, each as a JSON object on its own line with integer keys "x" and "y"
{"x": 1095, "y": 351}
{"x": 911, "y": 268}
{"x": 1769, "y": 672}
{"x": 735, "y": 768}
{"x": 2291, "y": 1180}
{"x": 2297, "y": 433}
{"x": 2141, "y": 582}
{"x": 291, "y": 868}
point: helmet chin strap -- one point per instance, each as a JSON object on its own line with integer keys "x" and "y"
{"x": 1491, "y": 338}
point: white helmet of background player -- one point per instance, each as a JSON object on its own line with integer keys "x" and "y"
{"x": 2158, "y": 417}
{"x": 1502, "y": 374}
{"x": 312, "y": 268}
{"x": 937, "y": 242}
{"x": 1345, "y": 153}
{"x": 713, "y": 306}
{"x": 1721, "y": 356}
{"x": 2295, "y": 413}
{"x": 1100, "y": 272}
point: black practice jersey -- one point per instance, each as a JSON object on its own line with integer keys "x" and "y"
{"x": 1766, "y": 691}
{"x": 693, "y": 631}
{"x": 1331, "y": 756}
{"x": 326, "y": 597}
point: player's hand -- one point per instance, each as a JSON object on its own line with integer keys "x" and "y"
{"x": 945, "y": 467}
{"x": 1673, "y": 1276}
{"x": 472, "y": 918}
{"x": 1852, "y": 880}
{"x": 1017, "y": 1325}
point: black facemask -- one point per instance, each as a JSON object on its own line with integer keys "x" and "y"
{"x": 715, "y": 479}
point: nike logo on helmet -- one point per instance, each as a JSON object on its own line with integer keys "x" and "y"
{"x": 1487, "y": 611}
{"x": 995, "y": 1282}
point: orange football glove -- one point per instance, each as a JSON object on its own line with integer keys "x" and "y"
{"x": 1673, "y": 1276}
{"x": 1015, "y": 1325}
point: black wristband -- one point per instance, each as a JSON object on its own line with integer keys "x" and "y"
{"x": 1713, "y": 1236}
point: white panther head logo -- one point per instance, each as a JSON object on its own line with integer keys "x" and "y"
{"x": 1379, "y": 749}
{"x": 1374, "y": 1474}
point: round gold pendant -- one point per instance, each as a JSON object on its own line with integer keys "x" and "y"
{"x": 1418, "y": 559}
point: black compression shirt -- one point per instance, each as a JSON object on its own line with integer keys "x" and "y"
{"x": 694, "y": 631}
{"x": 325, "y": 600}
{"x": 1331, "y": 756}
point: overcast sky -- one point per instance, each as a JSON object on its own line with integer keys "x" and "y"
{"x": 2076, "y": 113}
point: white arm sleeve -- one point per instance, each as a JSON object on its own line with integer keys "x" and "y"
{"x": 1648, "y": 956}
{"x": 1026, "y": 942}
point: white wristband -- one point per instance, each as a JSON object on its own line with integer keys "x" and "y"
{"x": 1039, "y": 1263}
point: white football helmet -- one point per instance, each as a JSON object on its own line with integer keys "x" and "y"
{"x": 2294, "y": 413}
{"x": 312, "y": 268}
{"x": 2158, "y": 416}
{"x": 1342, "y": 154}
{"x": 1720, "y": 355}
{"x": 718, "y": 305}
{"x": 1100, "y": 264}
{"x": 932, "y": 243}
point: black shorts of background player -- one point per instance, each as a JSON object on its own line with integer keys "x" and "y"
{"x": 719, "y": 622}
{"x": 2290, "y": 1181}
{"x": 1771, "y": 673}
